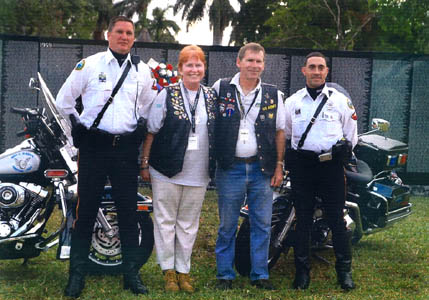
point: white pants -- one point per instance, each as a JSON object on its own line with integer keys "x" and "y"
{"x": 176, "y": 210}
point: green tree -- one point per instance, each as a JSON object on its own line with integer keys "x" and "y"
{"x": 160, "y": 28}
{"x": 249, "y": 23}
{"x": 364, "y": 25}
{"x": 221, "y": 13}
{"x": 401, "y": 26}
{"x": 326, "y": 24}
{"x": 106, "y": 10}
{"x": 54, "y": 18}
{"x": 64, "y": 18}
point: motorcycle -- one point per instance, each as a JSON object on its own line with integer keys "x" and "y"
{"x": 376, "y": 199}
{"x": 40, "y": 173}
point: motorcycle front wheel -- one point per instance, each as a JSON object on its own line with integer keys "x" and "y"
{"x": 105, "y": 255}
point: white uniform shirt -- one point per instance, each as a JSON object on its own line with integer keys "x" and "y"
{"x": 94, "y": 78}
{"x": 336, "y": 120}
{"x": 249, "y": 147}
{"x": 195, "y": 170}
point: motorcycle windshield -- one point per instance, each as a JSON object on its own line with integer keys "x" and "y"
{"x": 50, "y": 103}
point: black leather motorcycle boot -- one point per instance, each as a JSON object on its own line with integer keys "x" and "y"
{"x": 343, "y": 267}
{"x": 78, "y": 260}
{"x": 302, "y": 262}
{"x": 132, "y": 280}
{"x": 343, "y": 264}
{"x": 302, "y": 273}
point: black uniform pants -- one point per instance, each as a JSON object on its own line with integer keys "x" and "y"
{"x": 309, "y": 178}
{"x": 97, "y": 162}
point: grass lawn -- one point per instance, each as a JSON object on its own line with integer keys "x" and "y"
{"x": 393, "y": 264}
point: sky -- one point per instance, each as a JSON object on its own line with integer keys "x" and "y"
{"x": 199, "y": 33}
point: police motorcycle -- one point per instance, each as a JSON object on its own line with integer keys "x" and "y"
{"x": 39, "y": 174}
{"x": 376, "y": 198}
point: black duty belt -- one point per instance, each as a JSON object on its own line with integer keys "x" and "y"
{"x": 306, "y": 154}
{"x": 104, "y": 138}
{"x": 246, "y": 160}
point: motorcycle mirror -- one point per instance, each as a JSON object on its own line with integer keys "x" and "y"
{"x": 33, "y": 84}
{"x": 380, "y": 124}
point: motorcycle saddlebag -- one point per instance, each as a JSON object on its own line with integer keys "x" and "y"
{"x": 382, "y": 153}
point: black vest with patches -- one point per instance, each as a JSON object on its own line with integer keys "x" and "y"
{"x": 170, "y": 143}
{"x": 228, "y": 125}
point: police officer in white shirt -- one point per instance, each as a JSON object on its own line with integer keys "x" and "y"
{"x": 313, "y": 168}
{"x": 110, "y": 148}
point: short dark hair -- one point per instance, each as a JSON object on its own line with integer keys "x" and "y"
{"x": 255, "y": 47}
{"x": 116, "y": 19}
{"x": 315, "y": 54}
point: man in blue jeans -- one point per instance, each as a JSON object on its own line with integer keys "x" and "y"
{"x": 249, "y": 141}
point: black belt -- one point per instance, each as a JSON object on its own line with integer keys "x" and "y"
{"x": 104, "y": 138}
{"x": 246, "y": 160}
{"x": 307, "y": 154}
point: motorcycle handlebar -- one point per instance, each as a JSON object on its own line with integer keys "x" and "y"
{"x": 21, "y": 133}
{"x": 24, "y": 111}
{"x": 18, "y": 110}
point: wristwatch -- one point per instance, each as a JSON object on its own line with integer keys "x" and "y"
{"x": 145, "y": 163}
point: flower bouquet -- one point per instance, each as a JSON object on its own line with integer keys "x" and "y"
{"x": 164, "y": 74}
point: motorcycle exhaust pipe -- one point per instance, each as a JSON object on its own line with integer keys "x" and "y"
{"x": 27, "y": 224}
{"x": 282, "y": 236}
{"x": 355, "y": 210}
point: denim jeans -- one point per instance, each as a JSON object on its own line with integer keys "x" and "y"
{"x": 233, "y": 185}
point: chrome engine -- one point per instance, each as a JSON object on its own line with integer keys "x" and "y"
{"x": 20, "y": 205}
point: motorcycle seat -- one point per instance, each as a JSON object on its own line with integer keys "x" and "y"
{"x": 363, "y": 174}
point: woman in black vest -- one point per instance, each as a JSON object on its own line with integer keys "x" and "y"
{"x": 178, "y": 159}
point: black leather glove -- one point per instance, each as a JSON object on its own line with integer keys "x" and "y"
{"x": 78, "y": 131}
{"x": 141, "y": 130}
{"x": 342, "y": 151}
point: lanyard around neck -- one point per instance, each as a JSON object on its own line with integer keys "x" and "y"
{"x": 243, "y": 114}
{"x": 192, "y": 106}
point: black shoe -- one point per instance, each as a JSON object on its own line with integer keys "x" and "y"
{"x": 135, "y": 284}
{"x": 302, "y": 281}
{"x": 346, "y": 281}
{"x": 75, "y": 286}
{"x": 224, "y": 284}
{"x": 263, "y": 284}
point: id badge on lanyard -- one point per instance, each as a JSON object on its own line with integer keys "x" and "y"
{"x": 193, "y": 143}
{"x": 243, "y": 135}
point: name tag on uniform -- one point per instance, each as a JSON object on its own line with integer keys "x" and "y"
{"x": 193, "y": 143}
{"x": 244, "y": 135}
{"x": 107, "y": 85}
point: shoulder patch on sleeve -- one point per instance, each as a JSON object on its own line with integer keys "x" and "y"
{"x": 80, "y": 65}
{"x": 350, "y": 104}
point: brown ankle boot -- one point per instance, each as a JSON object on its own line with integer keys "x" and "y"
{"x": 170, "y": 279}
{"x": 185, "y": 283}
